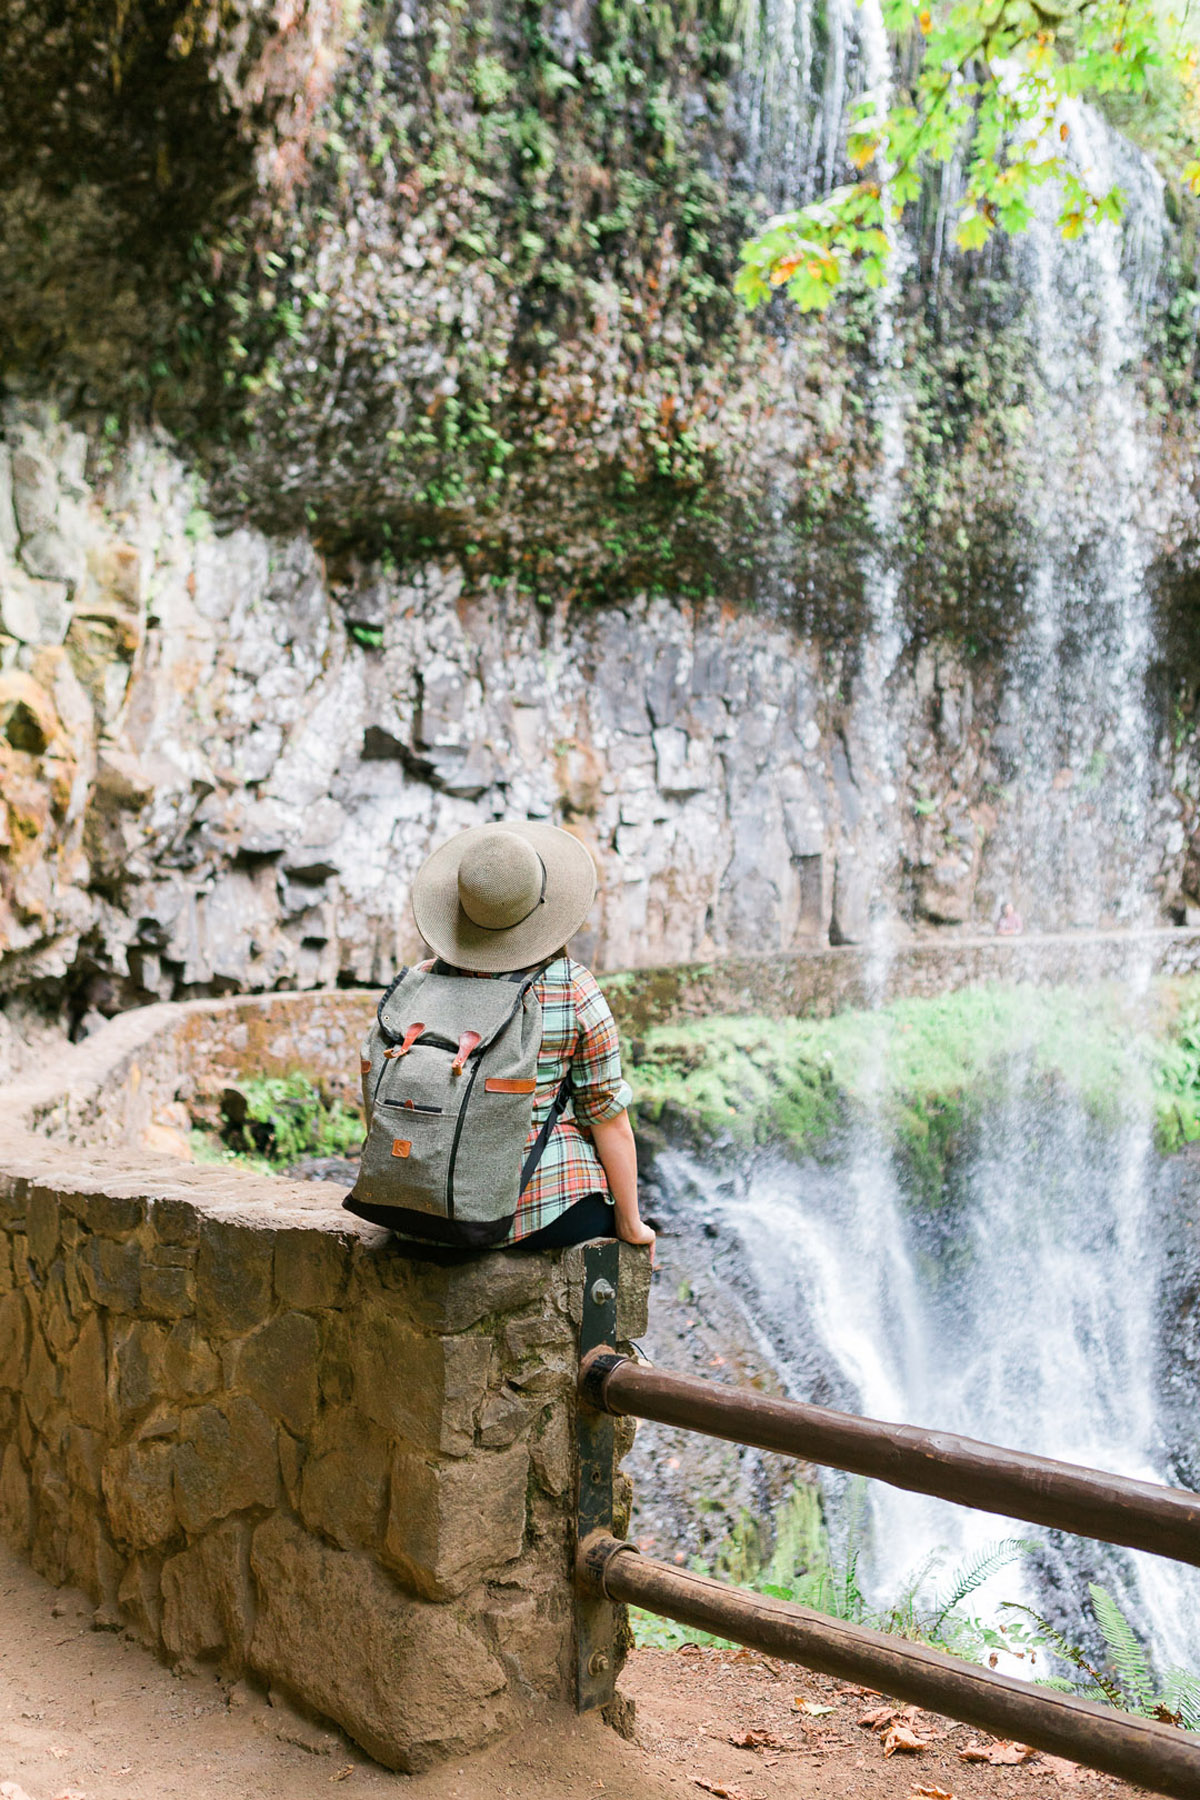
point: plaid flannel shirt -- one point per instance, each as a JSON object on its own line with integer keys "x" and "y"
{"x": 579, "y": 1037}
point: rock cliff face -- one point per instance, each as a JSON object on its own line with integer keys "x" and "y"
{"x": 221, "y": 765}
{"x": 481, "y": 496}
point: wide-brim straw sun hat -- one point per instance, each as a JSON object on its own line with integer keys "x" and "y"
{"x": 497, "y": 898}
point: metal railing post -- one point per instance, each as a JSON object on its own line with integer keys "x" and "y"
{"x": 595, "y": 1613}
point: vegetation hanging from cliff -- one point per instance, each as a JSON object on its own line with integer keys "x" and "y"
{"x": 991, "y": 90}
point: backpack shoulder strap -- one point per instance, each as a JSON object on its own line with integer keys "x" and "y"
{"x": 538, "y": 1147}
{"x": 383, "y": 1000}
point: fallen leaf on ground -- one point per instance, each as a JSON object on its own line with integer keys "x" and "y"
{"x": 934, "y": 1793}
{"x": 813, "y": 1708}
{"x": 997, "y": 1754}
{"x": 720, "y": 1789}
{"x": 901, "y": 1738}
{"x": 757, "y": 1740}
{"x": 878, "y": 1717}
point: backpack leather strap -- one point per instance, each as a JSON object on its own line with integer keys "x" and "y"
{"x": 537, "y": 1148}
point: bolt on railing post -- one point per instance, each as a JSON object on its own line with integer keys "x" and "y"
{"x": 595, "y": 1614}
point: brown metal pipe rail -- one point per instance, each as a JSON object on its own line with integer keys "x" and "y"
{"x": 1138, "y": 1514}
{"x": 1141, "y": 1751}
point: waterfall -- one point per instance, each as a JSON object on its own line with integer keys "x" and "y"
{"x": 1077, "y": 740}
{"x": 1026, "y": 1315}
{"x": 1026, "y": 1318}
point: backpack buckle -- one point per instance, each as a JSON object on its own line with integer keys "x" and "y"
{"x": 466, "y": 1044}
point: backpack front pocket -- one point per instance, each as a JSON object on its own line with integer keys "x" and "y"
{"x": 405, "y": 1157}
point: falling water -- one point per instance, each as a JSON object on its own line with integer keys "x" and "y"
{"x": 1072, "y": 837}
{"x": 1028, "y": 1314}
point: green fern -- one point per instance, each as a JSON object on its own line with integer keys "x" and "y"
{"x": 1180, "y": 1699}
{"x": 1068, "y": 1651}
{"x": 1128, "y": 1656}
{"x": 971, "y": 1575}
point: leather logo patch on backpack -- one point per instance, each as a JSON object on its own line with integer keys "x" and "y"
{"x": 496, "y": 1084}
{"x": 401, "y": 1146}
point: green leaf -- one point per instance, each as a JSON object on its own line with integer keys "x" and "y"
{"x": 1129, "y": 1659}
{"x": 972, "y": 232}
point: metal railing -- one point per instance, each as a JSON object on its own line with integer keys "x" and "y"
{"x": 1115, "y": 1510}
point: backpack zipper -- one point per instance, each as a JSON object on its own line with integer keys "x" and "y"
{"x": 462, "y": 1111}
{"x": 458, "y": 1131}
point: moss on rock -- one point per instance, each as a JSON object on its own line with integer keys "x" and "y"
{"x": 923, "y": 1071}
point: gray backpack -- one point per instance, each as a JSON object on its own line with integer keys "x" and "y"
{"x": 449, "y": 1076}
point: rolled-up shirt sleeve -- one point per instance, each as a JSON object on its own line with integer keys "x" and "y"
{"x": 598, "y": 1089}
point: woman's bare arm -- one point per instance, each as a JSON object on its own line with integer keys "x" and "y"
{"x": 616, "y": 1149}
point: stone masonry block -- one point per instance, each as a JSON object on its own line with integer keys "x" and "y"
{"x": 43, "y": 1382}
{"x": 190, "y": 1368}
{"x": 87, "y": 1376}
{"x": 14, "y": 1339}
{"x": 207, "y": 1603}
{"x": 552, "y": 1450}
{"x": 343, "y": 1490}
{"x": 42, "y": 1225}
{"x": 450, "y": 1525}
{"x": 311, "y": 1268}
{"x": 58, "y": 1315}
{"x": 110, "y": 1215}
{"x": 85, "y": 1460}
{"x": 137, "y": 1381}
{"x": 16, "y": 1500}
{"x": 49, "y": 1551}
{"x": 169, "y": 1281}
{"x": 137, "y": 1484}
{"x": 92, "y": 1560}
{"x": 226, "y": 1462}
{"x": 410, "y": 1682}
{"x": 423, "y": 1389}
{"x": 112, "y": 1272}
{"x": 139, "y": 1597}
{"x": 176, "y": 1221}
{"x": 503, "y": 1417}
{"x": 633, "y": 1292}
{"x": 278, "y": 1366}
{"x": 455, "y": 1298}
{"x": 233, "y": 1292}
{"x": 14, "y": 1193}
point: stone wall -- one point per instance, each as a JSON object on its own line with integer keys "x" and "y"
{"x": 257, "y": 1435}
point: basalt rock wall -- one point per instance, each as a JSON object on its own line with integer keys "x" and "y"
{"x": 221, "y": 766}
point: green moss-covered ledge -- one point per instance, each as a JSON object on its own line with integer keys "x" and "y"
{"x": 923, "y": 1069}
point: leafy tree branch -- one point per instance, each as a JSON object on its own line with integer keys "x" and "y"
{"x": 993, "y": 87}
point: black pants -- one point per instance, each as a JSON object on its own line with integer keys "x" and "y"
{"x": 591, "y": 1217}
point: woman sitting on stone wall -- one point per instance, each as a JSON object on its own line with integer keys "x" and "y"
{"x": 497, "y": 1115}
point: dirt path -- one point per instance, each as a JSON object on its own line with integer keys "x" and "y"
{"x": 90, "y": 1715}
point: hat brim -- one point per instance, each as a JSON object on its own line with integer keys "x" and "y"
{"x": 570, "y": 890}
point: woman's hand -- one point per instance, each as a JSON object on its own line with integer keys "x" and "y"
{"x": 636, "y": 1231}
